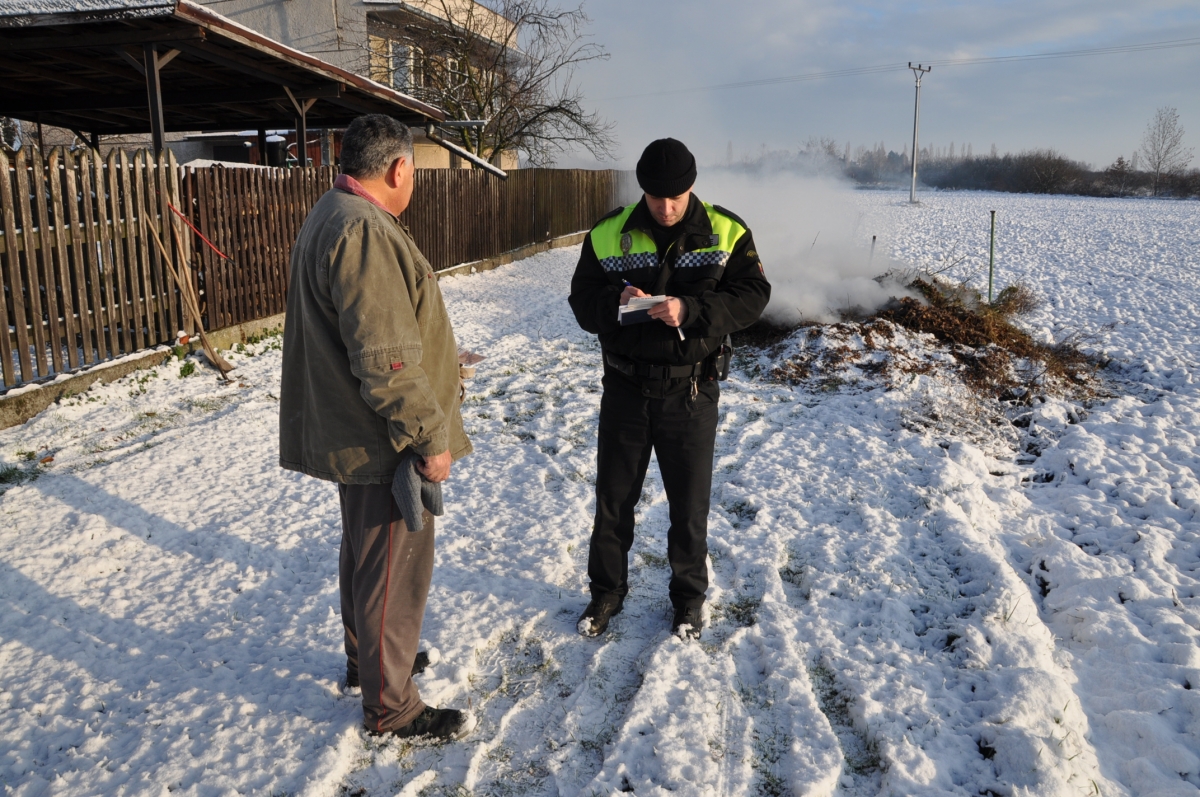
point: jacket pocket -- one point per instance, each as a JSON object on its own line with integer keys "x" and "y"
{"x": 383, "y": 359}
{"x": 698, "y": 279}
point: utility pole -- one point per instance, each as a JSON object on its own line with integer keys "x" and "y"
{"x": 919, "y": 72}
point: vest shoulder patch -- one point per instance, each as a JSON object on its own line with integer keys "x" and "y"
{"x": 731, "y": 214}
{"x": 611, "y": 214}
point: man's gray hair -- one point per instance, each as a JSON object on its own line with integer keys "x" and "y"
{"x": 372, "y": 143}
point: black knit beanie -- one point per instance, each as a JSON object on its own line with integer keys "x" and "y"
{"x": 666, "y": 168}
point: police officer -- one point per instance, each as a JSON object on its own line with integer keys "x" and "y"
{"x": 660, "y": 376}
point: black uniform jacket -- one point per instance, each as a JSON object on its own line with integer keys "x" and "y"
{"x": 720, "y": 299}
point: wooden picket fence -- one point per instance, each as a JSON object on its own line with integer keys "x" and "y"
{"x": 252, "y": 216}
{"x": 456, "y": 216}
{"x": 84, "y": 282}
{"x": 459, "y": 216}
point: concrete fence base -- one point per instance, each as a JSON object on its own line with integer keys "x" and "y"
{"x": 22, "y": 403}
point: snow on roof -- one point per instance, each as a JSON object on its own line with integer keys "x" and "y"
{"x": 31, "y": 8}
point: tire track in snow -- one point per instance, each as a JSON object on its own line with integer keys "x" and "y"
{"x": 903, "y": 612}
{"x": 1108, "y": 545}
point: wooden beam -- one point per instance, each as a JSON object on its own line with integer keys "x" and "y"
{"x": 301, "y": 141}
{"x": 10, "y": 43}
{"x": 56, "y": 75}
{"x": 194, "y": 70}
{"x": 302, "y": 103}
{"x": 358, "y": 104}
{"x": 239, "y": 63}
{"x": 167, "y": 58}
{"x": 21, "y": 107}
{"x": 154, "y": 95}
{"x": 135, "y": 63}
{"x": 101, "y": 65}
{"x": 301, "y": 106}
{"x": 101, "y": 121}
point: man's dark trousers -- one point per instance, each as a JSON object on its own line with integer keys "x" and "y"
{"x": 385, "y": 572}
{"x": 636, "y": 416}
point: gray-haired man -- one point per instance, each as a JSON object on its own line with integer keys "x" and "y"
{"x": 370, "y": 377}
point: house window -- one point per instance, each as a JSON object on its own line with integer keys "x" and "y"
{"x": 406, "y": 67}
{"x": 396, "y": 64}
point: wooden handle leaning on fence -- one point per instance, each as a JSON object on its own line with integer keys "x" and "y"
{"x": 185, "y": 290}
{"x": 185, "y": 272}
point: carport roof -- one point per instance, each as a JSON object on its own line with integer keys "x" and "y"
{"x": 81, "y": 64}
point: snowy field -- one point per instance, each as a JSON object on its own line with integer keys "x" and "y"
{"x": 900, "y": 603}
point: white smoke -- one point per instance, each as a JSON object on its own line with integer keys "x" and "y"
{"x": 814, "y": 242}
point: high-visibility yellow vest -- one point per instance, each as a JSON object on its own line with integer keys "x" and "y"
{"x": 620, "y": 252}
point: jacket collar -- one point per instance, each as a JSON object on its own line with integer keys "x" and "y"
{"x": 695, "y": 219}
{"x": 345, "y": 182}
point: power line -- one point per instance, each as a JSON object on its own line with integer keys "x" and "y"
{"x": 1126, "y": 48}
{"x": 879, "y": 68}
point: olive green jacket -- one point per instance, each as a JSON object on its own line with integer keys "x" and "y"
{"x": 370, "y": 365}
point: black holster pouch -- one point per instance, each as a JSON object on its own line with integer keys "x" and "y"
{"x": 723, "y": 358}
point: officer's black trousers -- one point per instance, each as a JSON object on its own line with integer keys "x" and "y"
{"x": 635, "y": 417}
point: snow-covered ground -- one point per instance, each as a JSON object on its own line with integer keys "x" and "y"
{"x": 902, "y": 602}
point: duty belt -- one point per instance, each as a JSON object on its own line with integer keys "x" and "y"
{"x": 661, "y": 372}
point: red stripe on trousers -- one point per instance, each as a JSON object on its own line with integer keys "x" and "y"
{"x": 387, "y": 579}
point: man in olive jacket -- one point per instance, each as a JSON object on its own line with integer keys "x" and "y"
{"x": 370, "y": 376}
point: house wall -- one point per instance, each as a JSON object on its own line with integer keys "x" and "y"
{"x": 341, "y": 38}
{"x": 307, "y": 25}
{"x": 336, "y": 30}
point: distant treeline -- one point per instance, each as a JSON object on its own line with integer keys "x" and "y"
{"x": 1031, "y": 172}
{"x": 1048, "y": 172}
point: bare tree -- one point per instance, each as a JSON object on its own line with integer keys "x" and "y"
{"x": 1162, "y": 146}
{"x": 511, "y": 65}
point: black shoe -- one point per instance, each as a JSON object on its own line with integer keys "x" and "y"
{"x": 438, "y": 723}
{"x": 419, "y": 665}
{"x": 688, "y": 622}
{"x": 594, "y": 620}
{"x": 349, "y": 682}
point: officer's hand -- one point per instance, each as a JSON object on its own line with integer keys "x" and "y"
{"x": 436, "y": 468}
{"x": 630, "y": 292}
{"x": 672, "y": 312}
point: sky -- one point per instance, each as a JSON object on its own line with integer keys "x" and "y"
{"x": 1088, "y": 108}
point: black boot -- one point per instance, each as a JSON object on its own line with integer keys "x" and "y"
{"x": 688, "y": 622}
{"x": 594, "y": 620}
{"x": 438, "y": 723}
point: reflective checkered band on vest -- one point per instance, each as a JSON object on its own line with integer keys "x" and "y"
{"x": 620, "y": 252}
{"x": 698, "y": 259}
{"x": 630, "y": 262}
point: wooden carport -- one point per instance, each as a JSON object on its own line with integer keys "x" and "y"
{"x": 108, "y": 67}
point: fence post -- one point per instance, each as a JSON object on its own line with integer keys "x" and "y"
{"x": 12, "y": 274}
{"x": 62, "y": 258}
{"x": 992, "y": 258}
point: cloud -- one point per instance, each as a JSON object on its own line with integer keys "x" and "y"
{"x": 1089, "y": 108}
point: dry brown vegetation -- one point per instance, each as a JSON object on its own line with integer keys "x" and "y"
{"x": 979, "y": 342}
